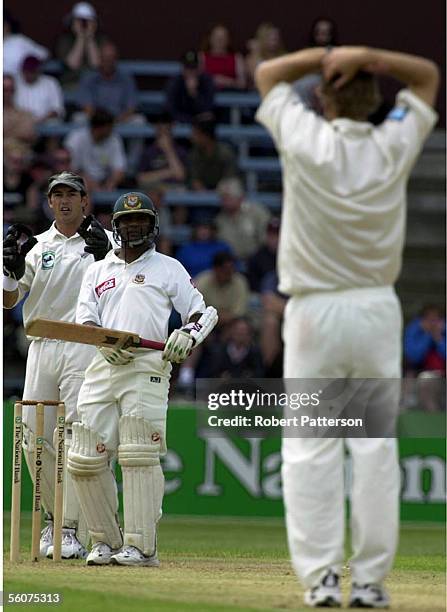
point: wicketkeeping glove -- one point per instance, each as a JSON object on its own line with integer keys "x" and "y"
{"x": 14, "y": 251}
{"x": 116, "y": 356}
{"x": 181, "y": 342}
{"x": 96, "y": 240}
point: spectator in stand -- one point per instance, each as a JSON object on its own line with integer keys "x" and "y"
{"x": 108, "y": 87}
{"x": 225, "y": 288}
{"x": 424, "y": 342}
{"x": 97, "y": 153}
{"x": 219, "y": 59}
{"x": 78, "y": 46}
{"x": 198, "y": 255}
{"x": 19, "y": 202}
{"x": 16, "y": 46}
{"x": 238, "y": 356}
{"x": 115, "y": 91}
{"x": 425, "y": 361}
{"x": 37, "y": 93}
{"x": 18, "y": 125}
{"x": 323, "y": 33}
{"x": 242, "y": 224}
{"x": 209, "y": 161}
{"x": 60, "y": 160}
{"x": 264, "y": 260}
{"x": 266, "y": 44}
{"x": 191, "y": 93}
{"x": 163, "y": 161}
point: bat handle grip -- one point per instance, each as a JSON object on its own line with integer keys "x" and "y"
{"x": 151, "y": 344}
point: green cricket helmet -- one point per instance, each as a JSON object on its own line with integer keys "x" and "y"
{"x": 131, "y": 203}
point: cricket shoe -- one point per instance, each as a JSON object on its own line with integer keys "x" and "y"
{"x": 71, "y": 546}
{"x": 100, "y": 554}
{"x": 46, "y": 539}
{"x": 326, "y": 594}
{"x": 369, "y": 596}
{"x": 131, "y": 555}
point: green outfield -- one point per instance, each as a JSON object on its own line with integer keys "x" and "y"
{"x": 216, "y": 564}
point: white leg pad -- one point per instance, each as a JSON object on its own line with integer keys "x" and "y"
{"x": 48, "y": 467}
{"x": 73, "y": 516}
{"x": 95, "y": 485}
{"x": 143, "y": 481}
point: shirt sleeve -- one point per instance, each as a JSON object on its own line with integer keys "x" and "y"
{"x": 87, "y": 307}
{"x": 407, "y": 125}
{"x": 286, "y": 117}
{"x": 185, "y": 297}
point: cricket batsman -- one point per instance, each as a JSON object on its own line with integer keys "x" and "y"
{"x": 124, "y": 399}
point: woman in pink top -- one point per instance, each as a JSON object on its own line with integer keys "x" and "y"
{"x": 220, "y": 61}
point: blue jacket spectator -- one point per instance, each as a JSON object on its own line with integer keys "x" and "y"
{"x": 197, "y": 256}
{"x": 425, "y": 342}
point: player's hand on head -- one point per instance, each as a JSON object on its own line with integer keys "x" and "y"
{"x": 15, "y": 250}
{"x": 97, "y": 242}
{"x": 341, "y": 64}
{"x": 115, "y": 356}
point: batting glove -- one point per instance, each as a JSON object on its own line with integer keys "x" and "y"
{"x": 96, "y": 240}
{"x": 181, "y": 342}
{"x": 14, "y": 251}
{"x": 179, "y": 346}
{"x": 116, "y": 357}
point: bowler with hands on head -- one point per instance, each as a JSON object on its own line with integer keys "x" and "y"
{"x": 340, "y": 253}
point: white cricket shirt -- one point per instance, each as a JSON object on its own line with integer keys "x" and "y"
{"x": 53, "y": 273}
{"x": 138, "y": 297}
{"x": 344, "y": 191}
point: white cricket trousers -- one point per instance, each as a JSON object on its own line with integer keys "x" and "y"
{"x": 345, "y": 334}
{"x": 54, "y": 371}
{"x": 110, "y": 392}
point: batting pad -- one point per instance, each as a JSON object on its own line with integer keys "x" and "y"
{"x": 73, "y": 516}
{"x": 48, "y": 467}
{"x": 94, "y": 485}
{"x": 143, "y": 481}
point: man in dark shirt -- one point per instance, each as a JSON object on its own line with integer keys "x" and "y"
{"x": 190, "y": 93}
{"x": 210, "y": 161}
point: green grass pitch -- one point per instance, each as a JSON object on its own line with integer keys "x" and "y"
{"x": 214, "y": 564}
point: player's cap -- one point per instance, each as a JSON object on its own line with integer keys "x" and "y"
{"x": 67, "y": 178}
{"x": 83, "y": 10}
{"x": 133, "y": 202}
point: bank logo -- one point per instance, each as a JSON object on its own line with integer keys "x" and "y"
{"x": 48, "y": 259}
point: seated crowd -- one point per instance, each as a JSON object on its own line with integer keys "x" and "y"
{"x": 230, "y": 251}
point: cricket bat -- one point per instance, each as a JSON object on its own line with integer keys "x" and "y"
{"x": 88, "y": 334}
